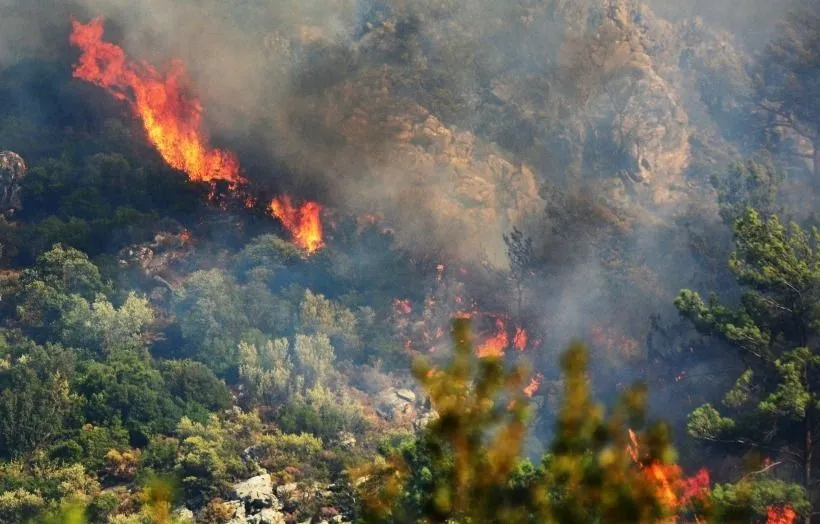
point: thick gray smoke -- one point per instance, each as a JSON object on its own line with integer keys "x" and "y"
{"x": 387, "y": 107}
{"x": 457, "y": 120}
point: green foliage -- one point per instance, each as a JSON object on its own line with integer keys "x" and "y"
{"x": 35, "y": 397}
{"x": 282, "y": 451}
{"x": 321, "y": 412}
{"x": 210, "y": 315}
{"x": 314, "y": 357}
{"x": 124, "y": 389}
{"x": 266, "y": 372}
{"x": 751, "y": 498}
{"x": 89, "y": 445}
{"x": 772, "y": 329}
{"x": 193, "y": 382}
{"x": 20, "y": 505}
{"x": 707, "y": 423}
{"x": 209, "y": 455}
{"x": 466, "y": 466}
{"x": 61, "y": 277}
{"x": 104, "y": 328}
{"x": 318, "y": 315}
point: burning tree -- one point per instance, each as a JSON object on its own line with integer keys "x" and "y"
{"x": 774, "y": 406}
{"x": 466, "y": 465}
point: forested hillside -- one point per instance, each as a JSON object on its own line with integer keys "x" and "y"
{"x": 391, "y": 261}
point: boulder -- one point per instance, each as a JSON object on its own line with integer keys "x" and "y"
{"x": 267, "y": 516}
{"x": 396, "y": 405}
{"x": 286, "y": 491}
{"x": 256, "y": 493}
{"x": 406, "y": 394}
{"x": 238, "y": 509}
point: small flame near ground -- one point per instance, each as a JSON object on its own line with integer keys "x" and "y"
{"x": 495, "y": 345}
{"x": 674, "y": 490}
{"x": 304, "y": 222}
{"x": 172, "y": 120}
{"x": 780, "y": 515}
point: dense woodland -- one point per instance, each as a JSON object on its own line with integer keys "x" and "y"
{"x": 623, "y": 329}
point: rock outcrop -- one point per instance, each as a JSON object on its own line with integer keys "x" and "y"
{"x": 12, "y": 171}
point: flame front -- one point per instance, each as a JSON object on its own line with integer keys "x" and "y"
{"x": 780, "y": 515}
{"x": 675, "y": 491}
{"x": 304, "y": 222}
{"x": 171, "y": 118}
{"x": 495, "y": 345}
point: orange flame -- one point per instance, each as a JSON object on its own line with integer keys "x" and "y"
{"x": 534, "y": 384}
{"x": 172, "y": 120}
{"x": 673, "y": 489}
{"x": 304, "y": 223}
{"x": 170, "y": 116}
{"x": 780, "y": 515}
{"x": 520, "y": 339}
{"x": 495, "y": 345}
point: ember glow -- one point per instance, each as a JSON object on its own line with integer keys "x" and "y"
{"x": 171, "y": 118}
{"x": 520, "y": 339}
{"x": 304, "y": 222}
{"x": 533, "y": 386}
{"x": 780, "y": 515}
{"x": 495, "y": 345}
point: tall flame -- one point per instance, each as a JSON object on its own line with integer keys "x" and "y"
{"x": 304, "y": 222}
{"x": 171, "y": 118}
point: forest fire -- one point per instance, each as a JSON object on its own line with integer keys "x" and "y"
{"x": 520, "y": 339}
{"x": 495, "y": 345}
{"x": 304, "y": 223}
{"x": 674, "y": 490}
{"x": 172, "y": 120}
{"x": 780, "y": 515}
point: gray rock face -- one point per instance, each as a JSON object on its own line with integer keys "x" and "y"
{"x": 12, "y": 171}
{"x": 267, "y": 516}
{"x": 258, "y": 489}
{"x": 406, "y": 394}
{"x": 396, "y": 404}
{"x": 238, "y": 508}
{"x": 256, "y": 494}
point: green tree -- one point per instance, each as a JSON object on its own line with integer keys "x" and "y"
{"x": 266, "y": 372}
{"x": 193, "y": 382}
{"x": 773, "y": 406}
{"x": 35, "y": 396}
{"x": 211, "y": 318}
{"x": 103, "y": 327}
{"x": 466, "y": 466}
{"x": 52, "y": 287}
{"x": 125, "y": 389}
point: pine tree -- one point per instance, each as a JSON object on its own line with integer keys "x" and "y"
{"x": 774, "y": 405}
